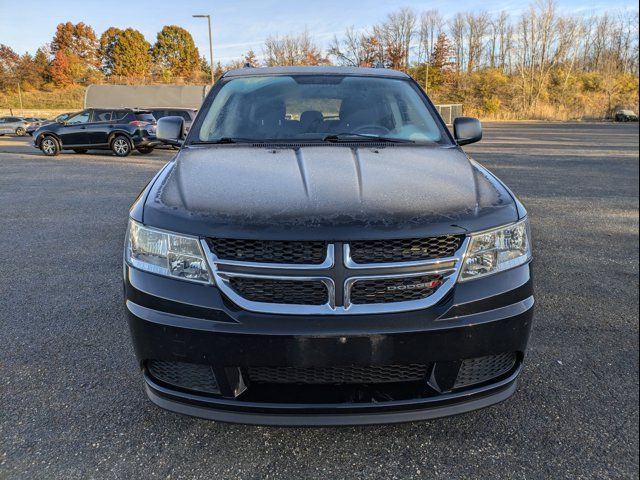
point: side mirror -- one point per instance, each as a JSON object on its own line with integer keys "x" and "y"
{"x": 467, "y": 130}
{"x": 170, "y": 130}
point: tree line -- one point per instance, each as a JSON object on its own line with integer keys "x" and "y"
{"x": 541, "y": 64}
{"x": 76, "y": 56}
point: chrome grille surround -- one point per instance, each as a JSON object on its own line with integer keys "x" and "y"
{"x": 338, "y": 273}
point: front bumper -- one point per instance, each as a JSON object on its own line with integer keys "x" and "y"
{"x": 177, "y": 321}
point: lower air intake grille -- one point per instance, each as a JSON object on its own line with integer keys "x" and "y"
{"x": 483, "y": 369}
{"x": 190, "y": 376}
{"x": 388, "y": 290}
{"x": 280, "y": 291}
{"x": 269, "y": 251}
{"x": 404, "y": 250}
{"x": 338, "y": 375}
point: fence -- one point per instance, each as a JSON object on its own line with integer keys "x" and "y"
{"x": 450, "y": 112}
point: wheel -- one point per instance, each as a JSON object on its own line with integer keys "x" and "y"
{"x": 49, "y": 146}
{"x": 80, "y": 150}
{"x": 145, "y": 150}
{"x": 20, "y": 131}
{"x": 121, "y": 146}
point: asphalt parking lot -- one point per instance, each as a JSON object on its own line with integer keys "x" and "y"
{"x": 71, "y": 398}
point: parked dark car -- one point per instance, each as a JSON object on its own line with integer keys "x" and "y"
{"x": 35, "y": 123}
{"x": 321, "y": 251}
{"x": 188, "y": 114}
{"x": 120, "y": 130}
{"x": 13, "y": 125}
{"x": 626, "y": 116}
{"x": 43, "y": 121}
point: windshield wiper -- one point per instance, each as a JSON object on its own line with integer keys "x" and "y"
{"x": 344, "y": 137}
{"x": 228, "y": 140}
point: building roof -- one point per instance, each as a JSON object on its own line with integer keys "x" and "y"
{"x": 332, "y": 70}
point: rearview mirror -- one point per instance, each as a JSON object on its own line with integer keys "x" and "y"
{"x": 467, "y": 130}
{"x": 170, "y": 130}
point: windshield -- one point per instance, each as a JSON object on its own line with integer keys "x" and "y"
{"x": 315, "y": 108}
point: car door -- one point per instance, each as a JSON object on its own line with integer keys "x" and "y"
{"x": 11, "y": 123}
{"x": 102, "y": 124}
{"x": 74, "y": 130}
{"x": 3, "y": 126}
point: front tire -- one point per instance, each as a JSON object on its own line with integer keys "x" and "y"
{"x": 121, "y": 146}
{"x": 145, "y": 150}
{"x": 49, "y": 146}
{"x": 20, "y": 131}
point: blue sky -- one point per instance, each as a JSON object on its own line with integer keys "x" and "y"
{"x": 237, "y": 25}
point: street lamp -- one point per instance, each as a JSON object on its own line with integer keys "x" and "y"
{"x": 208, "y": 17}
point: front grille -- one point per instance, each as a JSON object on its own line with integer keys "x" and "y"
{"x": 268, "y": 251}
{"x": 482, "y": 369}
{"x": 190, "y": 376}
{"x": 307, "y": 292}
{"x": 307, "y": 277}
{"x": 388, "y": 290}
{"x": 338, "y": 375}
{"x": 404, "y": 250}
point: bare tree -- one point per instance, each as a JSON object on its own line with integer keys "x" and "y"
{"x": 431, "y": 25}
{"x": 458, "y": 33}
{"x": 394, "y": 37}
{"x": 292, "y": 49}
{"x": 477, "y": 27}
{"x": 501, "y": 35}
{"x": 355, "y": 49}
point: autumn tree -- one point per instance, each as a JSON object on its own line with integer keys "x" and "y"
{"x": 41, "y": 63}
{"x": 125, "y": 53}
{"x": 108, "y": 40}
{"x": 176, "y": 53}
{"x": 78, "y": 40}
{"x": 250, "y": 58}
{"x": 9, "y": 61}
{"x": 60, "y": 69}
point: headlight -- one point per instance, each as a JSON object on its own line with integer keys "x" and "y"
{"x": 165, "y": 253}
{"x": 497, "y": 250}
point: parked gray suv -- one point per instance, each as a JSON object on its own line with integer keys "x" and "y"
{"x": 15, "y": 125}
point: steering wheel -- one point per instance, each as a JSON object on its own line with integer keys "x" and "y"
{"x": 371, "y": 129}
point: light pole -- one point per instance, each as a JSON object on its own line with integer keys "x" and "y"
{"x": 208, "y": 17}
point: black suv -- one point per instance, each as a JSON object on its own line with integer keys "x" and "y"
{"x": 120, "y": 130}
{"x": 322, "y": 251}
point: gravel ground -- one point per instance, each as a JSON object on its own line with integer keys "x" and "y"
{"x": 72, "y": 404}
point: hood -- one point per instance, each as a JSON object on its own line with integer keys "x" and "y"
{"x": 326, "y": 192}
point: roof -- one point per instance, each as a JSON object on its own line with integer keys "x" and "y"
{"x": 332, "y": 70}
